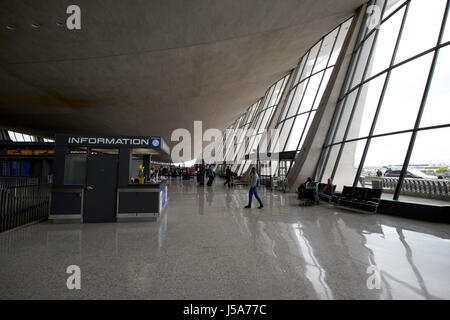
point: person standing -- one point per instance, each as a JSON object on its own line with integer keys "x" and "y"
{"x": 228, "y": 175}
{"x": 201, "y": 175}
{"x": 328, "y": 188}
{"x": 302, "y": 188}
{"x": 210, "y": 176}
{"x": 254, "y": 184}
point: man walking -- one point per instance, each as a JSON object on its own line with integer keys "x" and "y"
{"x": 254, "y": 184}
{"x": 228, "y": 174}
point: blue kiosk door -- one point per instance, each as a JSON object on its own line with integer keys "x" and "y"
{"x": 101, "y": 188}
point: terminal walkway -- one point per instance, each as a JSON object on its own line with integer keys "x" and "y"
{"x": 207, "y": 246}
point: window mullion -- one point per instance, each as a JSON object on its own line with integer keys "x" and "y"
{"x": 422, "y": 107}
{"x": 380, "y": 101}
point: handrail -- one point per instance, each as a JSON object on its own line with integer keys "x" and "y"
{"x": 23, "y": 204}
{"x": 422, "y": 188}
{"x": 18, "y": 181}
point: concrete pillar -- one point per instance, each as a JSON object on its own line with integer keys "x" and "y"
{"x": 348, "y": 163}
{"x": 273, "y": 122}
{"x": 307, "y": 160}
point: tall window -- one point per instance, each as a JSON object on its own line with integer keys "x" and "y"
{"x": 222, "y": 145}
{"x": 392, "y": 121}
{"x": 235, "y": 144}
{"x": 262, "y": 120}
{"x": 311, "y": 78}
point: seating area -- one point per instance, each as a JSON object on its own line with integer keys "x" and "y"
{"x": 327, "y": 196}
{"x": 239, "y": 181}
{"x": 310, "y": 195}
{"x": 354, "y": 198}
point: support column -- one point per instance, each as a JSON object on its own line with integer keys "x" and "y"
{"x": 307, "y": 160}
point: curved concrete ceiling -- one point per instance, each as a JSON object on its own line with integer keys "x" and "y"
{"x": 140, "y": 67}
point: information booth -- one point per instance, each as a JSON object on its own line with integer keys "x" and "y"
{"x": 93, "y": 179}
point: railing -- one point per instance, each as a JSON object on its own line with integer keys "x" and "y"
{"x": 421, "y": 188}
{"x": 22, "y": 203}
{"x": 18, "y": 181}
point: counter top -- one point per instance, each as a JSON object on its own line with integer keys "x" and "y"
{"x": 148, "y": 185}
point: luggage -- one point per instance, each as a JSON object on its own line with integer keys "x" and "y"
{"x": 310, "y": 196}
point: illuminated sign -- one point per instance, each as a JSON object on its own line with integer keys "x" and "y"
{"x": 109, "y": 141}
{"x": 30, "y": 152}
{"x": 69, "y": 140}
{"x": 156, "y": 142}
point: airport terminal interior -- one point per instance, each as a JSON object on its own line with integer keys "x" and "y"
{"x": 259, "y": 149}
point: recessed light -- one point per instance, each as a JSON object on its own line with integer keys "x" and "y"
{"x": 36, "y": 25}
{"x": 11, "y": 27}
{"x": 60, "y": 23}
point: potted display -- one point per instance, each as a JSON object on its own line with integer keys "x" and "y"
{"x": 141, "y": 175}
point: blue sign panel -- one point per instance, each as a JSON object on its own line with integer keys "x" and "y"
{"x": 25, "y": 168}
{"x": 15, "y": 168}
{"x": 6, "y": 170}
{"x": 156, "y": 142}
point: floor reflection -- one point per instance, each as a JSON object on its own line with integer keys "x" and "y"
{"x": 207, "y": 246}
{"x": 314, "y": 271}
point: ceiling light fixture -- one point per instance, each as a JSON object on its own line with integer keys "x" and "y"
{"x": 36, "y": 25}
{"x": 60, "y": 23}
{"x": 11, "y": 27}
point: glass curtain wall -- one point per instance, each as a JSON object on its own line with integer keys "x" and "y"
{"x": 235, "y": 144}
{"x": 225, "y": 146}
{"x": 222, "y": 146}
{"x": 311, "y": 78}
{"x": 262, "y": 120}
{"x": 391, "y": 126}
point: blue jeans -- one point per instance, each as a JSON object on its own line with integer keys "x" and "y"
{"x": 254, "y": 191}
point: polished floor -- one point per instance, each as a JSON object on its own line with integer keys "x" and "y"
{"x": 206, "y": 246}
